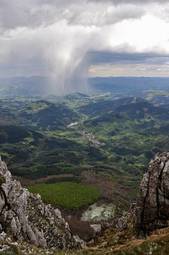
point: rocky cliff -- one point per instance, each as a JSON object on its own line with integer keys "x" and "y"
{"x": 153, "y": 203}
{"x": 24, "y": 216}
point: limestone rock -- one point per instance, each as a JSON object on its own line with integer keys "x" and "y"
{"x": 25, "y": 217}
{"x": 97, "y": 213}
{"x": 97, "y": 228}
{"x": 153, "y": 204}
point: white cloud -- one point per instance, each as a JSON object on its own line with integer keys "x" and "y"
{"x": 149, "y": 33}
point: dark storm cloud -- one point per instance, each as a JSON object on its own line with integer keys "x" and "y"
{"x": 16, "y": 13}
{"x": 33, "y": 13}
{"x": 130, "y": 1}
{"x": 110, "y": 57}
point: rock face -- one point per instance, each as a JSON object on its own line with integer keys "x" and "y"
{"x": 25, "y": 217}
{"x": 97, "y": 213}
{"x": 153, "y": 205}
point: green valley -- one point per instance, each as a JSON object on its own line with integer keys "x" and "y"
{"x": 61, "y": 139}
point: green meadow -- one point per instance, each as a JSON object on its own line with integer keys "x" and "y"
{"x": 69, "y": 195}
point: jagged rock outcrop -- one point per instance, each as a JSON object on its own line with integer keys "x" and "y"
{"x": 25, "y": 217}
{"x": 153, "y": 204}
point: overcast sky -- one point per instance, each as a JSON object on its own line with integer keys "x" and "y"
{"x": 68, "y": 40}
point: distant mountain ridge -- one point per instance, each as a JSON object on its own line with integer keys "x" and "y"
{"x": 43, "y": 86}
{"x": 128, "y": 85}
{"x": 23, "y": 86}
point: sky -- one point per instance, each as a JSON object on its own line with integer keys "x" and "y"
{"x": 70, "y": 40}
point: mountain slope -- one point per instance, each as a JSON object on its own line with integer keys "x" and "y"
{"x": 124, "y": 238}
